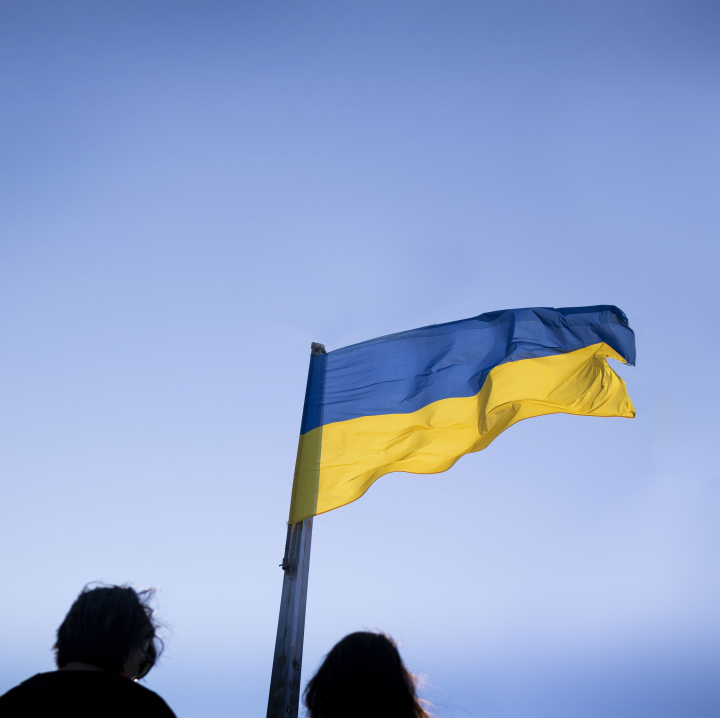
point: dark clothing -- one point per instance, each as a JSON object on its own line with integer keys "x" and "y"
{"x": 82, "y": 694}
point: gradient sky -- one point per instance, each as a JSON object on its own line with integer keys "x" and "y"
{"x": 192, "y": 192}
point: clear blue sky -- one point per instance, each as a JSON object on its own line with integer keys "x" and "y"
{"x": 192, "y": 192}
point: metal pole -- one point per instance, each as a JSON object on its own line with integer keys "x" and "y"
{"x": 284, "y": 699}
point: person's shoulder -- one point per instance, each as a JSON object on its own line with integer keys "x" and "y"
{"x": 150, "y": 698}
{"x": 133, "y": 695}
{"x": 21, "y": 693}
{"x": 85, "y": 691}
{"x": 29, "y": 684}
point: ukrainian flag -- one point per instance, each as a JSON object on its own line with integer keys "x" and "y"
{"x": 419, "y": 400}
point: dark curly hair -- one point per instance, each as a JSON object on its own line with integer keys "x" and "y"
{"x": 363, "y": 675}
{"x": 104, "y": 624}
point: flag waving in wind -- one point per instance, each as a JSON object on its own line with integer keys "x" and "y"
{"x": 417, "y": 401}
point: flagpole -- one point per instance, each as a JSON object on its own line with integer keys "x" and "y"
{"x": 284, "y": 699}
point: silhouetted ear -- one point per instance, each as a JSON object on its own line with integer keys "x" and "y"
{"x": 148, "y": 660}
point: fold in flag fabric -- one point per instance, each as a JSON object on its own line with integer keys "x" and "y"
{"x": 417, "y": 401}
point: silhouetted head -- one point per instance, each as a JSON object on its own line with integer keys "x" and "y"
{"x": 363, "y": 676}
{"x": 110, "y": 627}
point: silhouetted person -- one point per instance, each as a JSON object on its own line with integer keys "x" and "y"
{"x": 363, "y": 676}
{"x": 106, "y": 642}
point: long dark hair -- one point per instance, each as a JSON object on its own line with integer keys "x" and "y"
{"x": 104, "y": 624}
{"x": 363, "y": 675}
